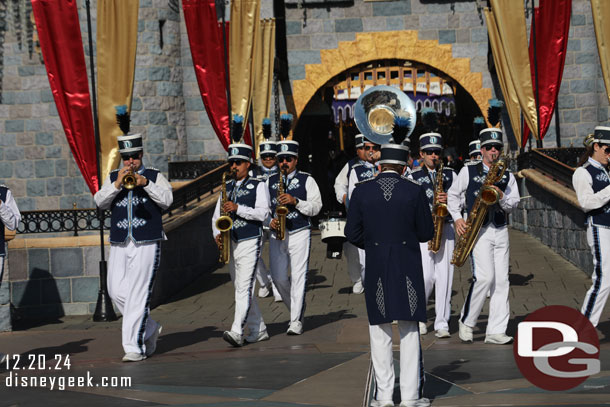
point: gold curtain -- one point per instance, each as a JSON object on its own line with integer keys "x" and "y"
{"x": 506, "y": 82}
{"x": 245, "y": 22}
{"x": 117, "y": 35}
{"x": 601, "y": 13}
{"x": 263, "y": 78}
{"x": 511, "y": 27}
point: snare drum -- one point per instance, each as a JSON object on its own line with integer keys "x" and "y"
{"x": 332, "y": 230}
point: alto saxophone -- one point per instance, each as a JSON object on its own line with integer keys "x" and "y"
{"x": 224, "y": 223}
{"x": 439, "y": 212}
{"x": 281, "y": 210}
{"x": 487, "y": 197}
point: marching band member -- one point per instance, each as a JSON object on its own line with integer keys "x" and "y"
{"x": 10, "y": 217}
{"x": 388, "y": 217}
{"x": 474, "y": 151}
{"x": 362, "y": 172}
{"x": 302, "y": 198}
{"x": 341, "y": 191}
{"x": 490, "y": 256}
{"x": 248, "y": 204}
{"x": 267, "y": 151}
{"x": 438, "y": 270}
{"x": 136, "y": 233}
{"x": 592, "y": 185}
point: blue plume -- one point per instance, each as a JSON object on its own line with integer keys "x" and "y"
{"x": 402, "y": 126}
{"x": 494, "y": 111}
{"x": 266, "y": 128}
{"x": 238, "y": 128}
{"x": 477, "y": 125}
{"x": 285, "y": 125}
{"x": 122, "y": 118}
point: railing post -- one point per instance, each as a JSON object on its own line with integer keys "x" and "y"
{"x": 74, "y": 219}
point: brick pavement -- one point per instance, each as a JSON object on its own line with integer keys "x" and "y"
{"x": 326, "y": 366}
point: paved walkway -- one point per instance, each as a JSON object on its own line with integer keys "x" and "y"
{"x": 326, "y": 366}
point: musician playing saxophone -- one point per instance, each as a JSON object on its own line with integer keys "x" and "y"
{"x": 302, "y": 198}
{"x": 490, "y": 255}
{"x": 248, "y": 205}
{"x": 438, "y": 270}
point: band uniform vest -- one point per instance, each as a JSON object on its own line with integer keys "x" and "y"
{"x": 353, "y": 161}
{"x": 263, "y": 173}
{"x": 295, "y": 186}
{"x": 427, "y": 180}
{"x": 599, "y": 176}
{"x": 3, "y": 191}
{"x": 364, "y": 172}
{"x": 476, "y": 175}
{"x": 134, "y": 214}
{"x": 244, "y": 194}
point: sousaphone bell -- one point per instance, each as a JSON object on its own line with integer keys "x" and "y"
{"x": 376, "y": 108}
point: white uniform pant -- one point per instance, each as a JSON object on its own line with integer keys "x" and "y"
{"x": 293, "y": 251}
{"x": 490, "y": 261}
{"x": 354, "y": 267}
{"x": 595, "y": 299}
{"x": 263, "y": 275}
{"x": 438, "y": 274}
{"x": 1, "y": 268}
{"x": 131, "y": 276}
{"x": 242, "y": 267}
{"x": 411, "y": 361}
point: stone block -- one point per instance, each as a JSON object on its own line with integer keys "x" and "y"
{"x": 29, "y": 97}
{"x": 6, "y": 170}
{"x": 24, "y": 293}
{"x": 588, "y": 57}
{"x": 446, "y": 36}
{"x": 26, "y": 204}
{"x": 582, "y": 85}
{"x": 140, "y": 75}
{"x": 374, "y": 24}
{"x": 136, "y": 104}
{"x": 33, "y": 125}
{"x": 157, "y": 118}
{"x": 61, "y": 168}
{"x": 578, "y": 19}
{"x": 438, "y": 21}
{"x": 303, "y": 57}
{"x": 347, "y": 25}
{"x": 36, "y": 187}
{"x": 66, "y": 262}
{"x": 44, "y": 168}
{"x": 324, "y": 41}
{"x": 298, "y": 42}
{"x": 85, "y": 289}
{"x": 571, "y": 116}
{"x": 53, "y": 152}
{"x": 7, "y": 139}
{"x": 54, "y": 187}
{"x": 76, "y": 308}
{"x": 92, "y": 260}
{"x": 589, "y": 114}
{"x": 26, "y": 70}
{"x": 46, "y": 96}
{"x": 34, "y": 152}
{"x": 296, "y": 72}
{"x": 14, "y": 153}
{"x": 396, "y": 23}
{"x": 312, "y": 26}
{"x": 194, "y": 104}
{"x": 395, "y": 8}
{"x": 55, "y": 290}
{"x": 566, "y": 102}
{"x": 44, "y": 139}
{"x": 169, "y": 89}
{"x": 14, "y": 126}
{"x": 154, "y": 146}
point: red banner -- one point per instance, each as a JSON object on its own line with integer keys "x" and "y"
{"x": 62, "y": 50}
{"x": 205, "y": 38}
{"x": 552, "y": 25}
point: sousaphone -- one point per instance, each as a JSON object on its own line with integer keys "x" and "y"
{"x": 376, "y": 108}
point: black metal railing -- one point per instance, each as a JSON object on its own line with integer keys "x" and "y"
{"x": 78, "y": 220}
{"x": 557, "y": 163}
{"x": 191, "y": 169}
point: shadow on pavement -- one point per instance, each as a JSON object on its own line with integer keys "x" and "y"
{"x": 519, "y": 280}
{"x": 206, "y": 282}
{"x": 310, "y": 322}
{"x": 176, "y": 340}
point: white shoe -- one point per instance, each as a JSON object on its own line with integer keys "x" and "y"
{"x": 151, "y": 343}
{"x": 233, "y": 338}
{"x": 263, "y": 292}
{"x": 296, "y": 328}
{"x": 442, "y": 333}
{"x": 422, "y": 402}
{"x": 358, "y": 288}
{"x": 133, "y": 357}
{"x": 498, "y": 339}
{"x": 422, "y": 328}
{"x": 257, "y": 337}
{"x": 465, "y": 332}
{"x": 382, "y": 403}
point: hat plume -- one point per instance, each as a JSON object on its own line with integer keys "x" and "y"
{"x": 122, "y": 118}
{"x": 266, "y": 128}
{"x": 238, "y": 128}
{"x": 285, "y": 125}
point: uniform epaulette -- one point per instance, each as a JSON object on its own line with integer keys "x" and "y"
{"x": 306, "y": 173}
{"x": 366, "y": 180}
{"x": 357, "y": 165}
{"x": 417, "y": 170}
{"x": 3, "y": 186}
{"x": 153, "y": 168}
{"x": 475, "y": 162}
{"x": 413, "y": 181}
{"x": 586, "y": 164}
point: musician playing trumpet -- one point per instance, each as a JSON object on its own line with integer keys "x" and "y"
{"x": 438, "y": 271}
{"x": 302, "y": 199}
{"x": 248, "y": 205}
{"x": 490, "y": 255}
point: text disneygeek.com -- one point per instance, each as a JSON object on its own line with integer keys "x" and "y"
{"x": 24, "y": 372}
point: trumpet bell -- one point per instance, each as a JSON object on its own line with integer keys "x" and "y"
{"x": 376, "y": 108}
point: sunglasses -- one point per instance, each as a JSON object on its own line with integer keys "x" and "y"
{"x": 374, "y": 148}
{"x": 287, "y": 159}
{"x": 430, "y": 152}
{"x": 488, "y": 148}
{"x": 607, "y": 150}
{"x": 236, "y": 162}
{"x": 126, "y": 157}
{"x": 268, "y": 157}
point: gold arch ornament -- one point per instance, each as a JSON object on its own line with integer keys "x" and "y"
{"x": 374, "y": 46}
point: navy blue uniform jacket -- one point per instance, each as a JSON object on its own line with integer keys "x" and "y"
{"x": 388, "y": 216}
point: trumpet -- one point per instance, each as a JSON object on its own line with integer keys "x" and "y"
{"x": 129, "y": 180}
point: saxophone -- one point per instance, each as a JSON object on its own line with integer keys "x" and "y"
{"x": 487, "y": 197}
{"x": 280, "y": 210}
{"x": 225, "y": 223}
{"x": 439, "y": 212}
